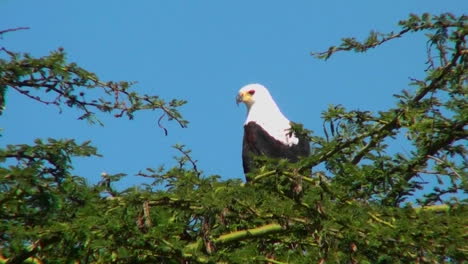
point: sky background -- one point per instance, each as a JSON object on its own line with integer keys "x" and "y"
{"x": 203, "y": 52}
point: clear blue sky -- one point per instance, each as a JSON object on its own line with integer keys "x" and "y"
{"x": 204, "y": 51}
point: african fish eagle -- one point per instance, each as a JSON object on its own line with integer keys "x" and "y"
{"x": 266, "y": 130}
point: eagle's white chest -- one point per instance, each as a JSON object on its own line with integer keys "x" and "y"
{"x": 274, "y": 123}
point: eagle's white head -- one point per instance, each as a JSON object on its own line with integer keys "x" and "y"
{"x": 262, "y": 109}
{"x": 255, "y": 94}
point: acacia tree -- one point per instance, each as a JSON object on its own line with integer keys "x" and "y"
{"x": 355, "y": 210}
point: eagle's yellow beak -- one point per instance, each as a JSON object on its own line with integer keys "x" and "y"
{"x": 243, "y": 97}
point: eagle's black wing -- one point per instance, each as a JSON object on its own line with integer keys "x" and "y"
{"x": 258, "y": 142}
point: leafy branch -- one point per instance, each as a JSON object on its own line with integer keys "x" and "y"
{"x": 51, "y": 80}
{"x": 364, "y": 135}
{"x": 413, "y": 24}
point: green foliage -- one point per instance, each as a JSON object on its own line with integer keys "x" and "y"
{"x": 353, "y": 208}
{"x": 52, "y": 81}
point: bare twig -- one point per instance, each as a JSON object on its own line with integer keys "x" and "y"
{"x": 12, "y": 29}
{"x": 160, "y": 125}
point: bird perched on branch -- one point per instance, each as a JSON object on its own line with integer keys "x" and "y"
{"x": 266, "y": 130}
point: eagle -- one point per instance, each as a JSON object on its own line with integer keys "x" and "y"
{"x": 266, "y": 130}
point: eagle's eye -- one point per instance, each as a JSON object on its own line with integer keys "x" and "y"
{"x": 251, "y": 92}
